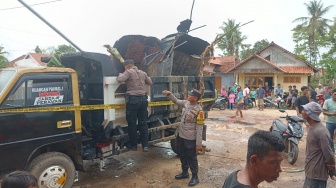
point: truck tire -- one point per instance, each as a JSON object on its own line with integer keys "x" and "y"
{"x": 175, "y": 146}
{"x": 53, "y": 170}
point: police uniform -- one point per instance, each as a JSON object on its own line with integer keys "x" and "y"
{"x": 190, "y": 135}
{"x": 136, "y": 103}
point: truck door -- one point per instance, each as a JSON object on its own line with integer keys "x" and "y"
{"x": 21, "y": 133}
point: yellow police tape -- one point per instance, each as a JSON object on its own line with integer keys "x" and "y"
{"x": 89, "y": 107}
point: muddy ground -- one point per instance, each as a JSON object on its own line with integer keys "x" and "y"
{"x": 226, "y": 137}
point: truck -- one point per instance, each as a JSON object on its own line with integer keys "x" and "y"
{"x": 54, "y": 118}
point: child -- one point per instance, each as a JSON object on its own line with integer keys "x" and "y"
{"x": 253, "y": 94}
{"x": 231, "y": 100}
{"x": 19, "y": 179}
{"x": 240, "y": 102}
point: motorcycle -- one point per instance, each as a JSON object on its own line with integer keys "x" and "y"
{"x": 250, "y": 103}
{"x": 282, "y": 103}
{"x": 290, "y": 134}
{"x": 221, "y": 103}
{"x": 269, "y": 103}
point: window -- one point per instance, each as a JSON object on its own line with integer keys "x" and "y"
{"x": 254, "y": 81}
{"x": 292, "y": 79}
{"x": 42, "y": 91}
{"x": 268, "y": 57}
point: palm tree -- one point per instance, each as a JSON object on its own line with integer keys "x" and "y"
{"x": 233, "y": 41}
{"x": 314, "y": 25}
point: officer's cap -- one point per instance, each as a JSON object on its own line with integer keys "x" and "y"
{"x": 196, "y": 93}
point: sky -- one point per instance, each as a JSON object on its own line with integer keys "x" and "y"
{"x": 92, "y": 23}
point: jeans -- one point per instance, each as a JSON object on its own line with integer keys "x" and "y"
{"x": 231, "y": 106}
{"x": 136, "y": 111}
{"x": 331, "y": 128}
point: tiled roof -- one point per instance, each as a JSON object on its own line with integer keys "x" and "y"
{"x": 222, "y": 60}
{"x": 223, "y": 64}
{"x": 298, "y": 69}
{"x": 259, "y": 57}
{"x": 35, "y": 56}
{"x": 11, "y": 63}
{"x": 273, "y": 44}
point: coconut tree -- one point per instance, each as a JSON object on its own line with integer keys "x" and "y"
{"x": 233, "y": 41}
{"x": 315, "y": 25}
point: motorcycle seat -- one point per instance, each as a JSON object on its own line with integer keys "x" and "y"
{"x": 280, "y": 125}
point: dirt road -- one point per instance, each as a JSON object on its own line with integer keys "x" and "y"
{"x": 226, "y": 137}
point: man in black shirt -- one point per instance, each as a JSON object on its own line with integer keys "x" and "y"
{"x": 294, "y": 96}
{"x": 302, "y": 100}
{"x": 312, "y": 93}
{"x": 263, "y": 161}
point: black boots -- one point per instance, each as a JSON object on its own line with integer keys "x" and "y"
{"x": 194, "y": 181}
{"x": 183, "y": 175}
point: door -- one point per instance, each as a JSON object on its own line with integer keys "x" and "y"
{"x": 21, "y": 133}
{"x": 218, "y": 84}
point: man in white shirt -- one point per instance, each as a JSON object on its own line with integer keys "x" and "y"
{"x": 246, "y": 93}
{"x": 319, "y": 90}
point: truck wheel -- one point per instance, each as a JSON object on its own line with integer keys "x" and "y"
{"x": 53, "y": 170}
{"x": 175, "y": 146}
{"x": 293, "y": 154}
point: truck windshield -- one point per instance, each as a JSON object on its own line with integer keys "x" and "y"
{"x": 5, "y": 78}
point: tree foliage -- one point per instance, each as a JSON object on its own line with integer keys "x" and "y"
{"x": 38, "y": 50}
{"x": 3, "y": 59}
{"x": 248, "y": 50}
{"x": 309, "y": 35}
{"x": 233, "y": 40}
{"x": 59, "y": 49}
{"x": 328, "y": 61}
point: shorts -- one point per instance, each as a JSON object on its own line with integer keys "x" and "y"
{"x": 293, "y": 99}
{"x": 261, "y": 102}
{"x": 313, "y": 183}
{"x": 253, "y": 99}
{"x": 240, "y": 106}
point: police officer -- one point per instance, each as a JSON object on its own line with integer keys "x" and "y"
{"x": 136, "y": 103}
{"x": 190, "y": 134}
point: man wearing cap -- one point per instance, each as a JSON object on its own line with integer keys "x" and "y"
{"x": 320, "y": 161}
{"x": 189, "y": 134}
{"x": 136, "y": 103}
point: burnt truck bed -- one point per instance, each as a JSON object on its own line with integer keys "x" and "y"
{"x": 97, "y": 85}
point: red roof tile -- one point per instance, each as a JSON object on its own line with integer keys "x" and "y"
{"x": 11, "y": 63}
{"x": 223, "y": 64}
{"x": 298, "y": 69}
{"x": 35, "y": 56}
{"x": 222, "y": 60}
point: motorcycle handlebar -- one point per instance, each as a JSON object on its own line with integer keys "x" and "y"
{"x": 282, "y": 116}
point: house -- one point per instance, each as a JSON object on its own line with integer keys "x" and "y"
{"x": 274, "y": 65}
{"x": 219, "y": 67}
{"x": 35, "y": 58}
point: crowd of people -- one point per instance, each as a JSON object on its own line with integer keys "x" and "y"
{"x": 264, "y": 147}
